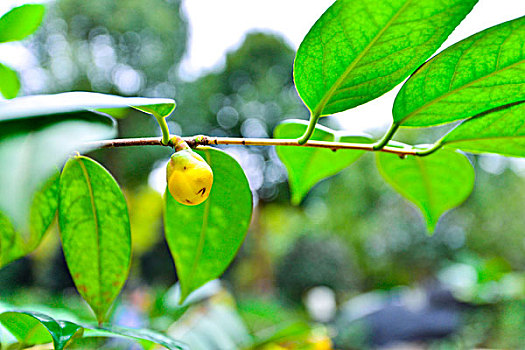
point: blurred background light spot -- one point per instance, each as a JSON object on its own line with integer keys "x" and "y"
{"x": 253, "y": 127}
{"x": 493, "y": 163}
{"x": 460, "y": 278}
{"x": 320, "y": 303}
{"x": 157, "y": 177}
{"x": 127, "y": 79}
{"x": 227, "y": 117}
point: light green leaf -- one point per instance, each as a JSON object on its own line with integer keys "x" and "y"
{"x": 308, "y": 166}
{"x": 144, "y": 336}
{"x": 38, "y": 133}
{"x": 358, "y": 50}
{"x": 32, "y": 328}
{"x": 11, "y": 243}
{"x": 501, "y": 132}
{"x": 9, "y": 82}
{"x": 94, "y": 226}
{"x": 43, "y": 210}
{"x": 31, "y": 151}
{"x": 80, "y": 101}
{"x": 479, "y": 73}
{"x": 435, "y": 183}
{"x": 14, "y": 245}
{"x": 204, "y": 239}
{"x": 20, "y": 22}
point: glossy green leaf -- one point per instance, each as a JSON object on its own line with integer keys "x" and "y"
{"x": 501, "y": 132}
{"x": 204, "y": 239}
{"x": 479, "y": 73}
{"x": 9, "y": 82}
{"x": 20, "y": 22}
{"x": 31, "y": 328}
{"x": 80, "y": 101}
{"x": 435, "y": 183}
{"x": 94, "y": 226}
{"x": 360, "y": 49}
{"x": 31, "y": 152}
{"x": 308, "y": 166}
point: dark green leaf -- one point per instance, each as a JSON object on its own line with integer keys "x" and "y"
{"x": 308, "y": 166}
{"x": 435, "y": 183}
{"x": 79, "y": 101}
{"x": 358, "y": 50}
{"x": 501, "y": 132}
{"x": 33, "y": 328}
{"x": 20, "y": 22}
{"x": 31, "y": 152}
{"x": 479, "y": 73}
{"x": 94, "y": 225}
{"x": 204, "y": 239}
{"x": 9, "y": 82}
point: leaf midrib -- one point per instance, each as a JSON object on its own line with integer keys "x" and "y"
{"x": 202, "y": 238}
{"x": 428, "y": 188}
{"x": 97, "y": 229}
{"x": 319, "y": 109}
{"x": 445, "y": 142}
{"x": 432, "y": 102}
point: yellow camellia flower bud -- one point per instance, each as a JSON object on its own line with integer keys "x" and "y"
{"x": 189, "y": 177}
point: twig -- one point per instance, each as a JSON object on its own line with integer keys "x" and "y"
{"x": 201, "y": 140}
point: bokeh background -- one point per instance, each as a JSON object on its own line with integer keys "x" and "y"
{"x": 352, "y": 263}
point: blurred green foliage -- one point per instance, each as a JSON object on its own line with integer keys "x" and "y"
{"x": 118, "y": 46}
{"x": 366, "y": 236}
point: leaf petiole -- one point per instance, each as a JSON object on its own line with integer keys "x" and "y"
{"x": 388, "y": 136}
{"x": 164, "y": 128}
{"x": 427, "y": 151}
{"x": 309, "y": 130}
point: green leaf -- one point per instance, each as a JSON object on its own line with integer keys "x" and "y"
{"x": 38, "y": 133}
{"x": 358, "y": 50}
{"x": 80, "y": 101}
{"x": 204, "y": 239}
{"x": 94, "y": 226}
{"x": 30, "y": 152}
{"x": 308, "y": 166}
{"x": 11, "y": 243}
{"x": 501, "y": 132}
{"x": 435, "y": 183}
{"x": 479, "y": 73}
{"x": 32, "y": 328}
{"x": 20, "y": 22}
{"x": 14, "y": 245}
{"x": 145, "y": 336}
{"x": 161, "y": 110}
{"x": 43, "y": 210}
{"x": 9, "y": 82}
